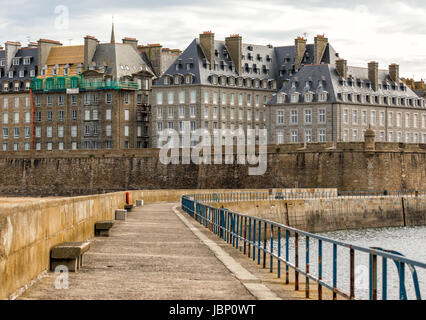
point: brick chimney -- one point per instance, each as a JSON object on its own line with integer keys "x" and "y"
{"x": 11, "y": 50}
{"x": 320, "y": 44}
{"x": 90, "y": 45}
{"x": 131, "y": 41}
{"x": 207, "y": 45}
{"x": 299, "y": 51}
{"x": 44, "y": 47}
{"x": 394, "y": 72}
{"x": 234, "y": 44}
{"x": 342, "y": 68}
{"x": 373, "y": 74}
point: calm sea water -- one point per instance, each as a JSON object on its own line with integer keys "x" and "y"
{"x": 410, "y": 241}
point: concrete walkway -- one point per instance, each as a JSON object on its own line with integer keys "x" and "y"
{"x": 158, "y": 253}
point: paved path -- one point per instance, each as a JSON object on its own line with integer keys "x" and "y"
{"x": 159, "y": 253}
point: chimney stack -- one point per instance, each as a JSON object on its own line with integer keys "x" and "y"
{"x": 90, "y": 45}
{"x": 32, "y": 45}
{"x": 373, "y": 74}
{"x": 394, "y": 72}
{"x": 342, "y": 68}
{"x": 299, "y": 51}
{"x": 234, "y": 44}
{"x": 320, "y": 44}
{"x": 131, "y": 41}
{"x": 207, "y": 45}
{"x": 11, "y": 50}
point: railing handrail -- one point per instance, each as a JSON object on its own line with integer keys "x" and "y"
{"x": 271, "y": 225}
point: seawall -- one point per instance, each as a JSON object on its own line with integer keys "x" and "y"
{"x": 346, "y": 166}
{"x": 321, "y": 215}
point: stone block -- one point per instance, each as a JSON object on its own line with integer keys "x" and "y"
{"x": 120, "y": 214}
{"x": 139, "y": 203}
{"x": 102, "y": 228}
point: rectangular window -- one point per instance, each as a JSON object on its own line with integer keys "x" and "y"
{"x": 5, "y": 118}
{"x": 308, "y": 115}
{"x": 60, "y": 146}
{"x": 5, "y": 133}
{"x": 192, "y": 111}
{"x": 407, "y": 120}
{"x": 170, "y": 112}
{"x": 49, "y": 132}
{"x": 27, "y": 146}
{"x": 280, "y": 137}
{"x": 108, "y": 114}
{"x": 61, "y": 114}
{"x": 74, "y": 145}
{"x": 74, "y": 100}
{"x": 126, "y": 131}
{"x": 321, "y": 116}
{"x": 346, "y": 116}
{"x": 381, "y": 118}
{"x": 321, "y": 135}
{"x": 108, "y": 98}
{"x": 61, "y": 100}
{"x": 193, "y": 96}
{"x": 108, "y": 130}
{"x": 27, "y": 132}
{"x": 182, "y": 97}
{"x": 280, "y": 117}
{"x": 126, "y": 115}
{"x": 87, "y": 130}
{"x": 170, "y": 98}
{"x": 16, "y": 133}
{"x": 308, "y": 136}
{"x": 73, "y": 131}
{"x": 126, "y": 98}
{"x": 293, "y": 117}
{"x": 294, "y": 136}
{"x": 87, "y": 115}
{"x": 60, "y": 131}
{"x": 38, "y": 132}
{"x": 373, "y": 117}
{"x": 354, "y": 116}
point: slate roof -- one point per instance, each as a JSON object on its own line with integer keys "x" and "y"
{"x": 325, "y": 78}
{"x": 272, "y": 59}
{"x": 23, "y": 53}
{"x": 119, "y": 60}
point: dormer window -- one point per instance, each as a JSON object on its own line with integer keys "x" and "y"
{"x": 322, "y": 97}
{"x": 308, "y": 97}
{"x": 293, "y": 85}
{"x": 10, "y": 74}
{"x": 55, "y": 70}
{"x": 188, "y": 79}
{"x": 27, "y": 61}
{"x": 2, "y": 63}
{"x": 166, "y": 80}
{"x": 21, "y": 73}
{"x": 223, "y": 81}
{"x": 177, "y": 80}
{"x": 66, "y": 70}
{"x": 15, "y": 61}
{"x": 32, "y": 73}
{"x": 295, "y": 98}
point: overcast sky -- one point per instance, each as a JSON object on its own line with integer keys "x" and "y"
{"x": 383, "y": 30}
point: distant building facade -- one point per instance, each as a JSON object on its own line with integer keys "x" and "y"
{"x": 226, "y": 84}
{"x": 18, "y": 65}
{"x": 336, "y": 102}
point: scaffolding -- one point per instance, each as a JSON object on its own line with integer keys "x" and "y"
{"x": 53, "y": 84}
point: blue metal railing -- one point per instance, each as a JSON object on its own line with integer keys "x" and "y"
{"x": 295, "y": 195}
{"x": 250, "y": 235}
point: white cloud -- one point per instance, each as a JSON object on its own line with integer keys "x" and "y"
{"x": 361, "y": 31}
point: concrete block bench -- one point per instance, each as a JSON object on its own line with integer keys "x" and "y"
{"x": 120, "y": 214}
{"x": 68, "y": 254}
{"x": 102, "y": 228}
{"x": 128, "y": 207}
{"x": 139, "y": 203}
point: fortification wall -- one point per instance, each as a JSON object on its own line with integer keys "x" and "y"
{"x": 346, "y": 166}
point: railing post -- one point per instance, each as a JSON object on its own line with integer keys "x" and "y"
{"x": 319, "y": 269}
{"x": 296, "y": 261}
{"x": 272, "y": 249}
{"x": 352, "y": 273}
{"x": 245, "y": 235}
{"x": 254, "y": 239}
{"x": 249, "y": 237}
{"x": 384, "y": 278}
{"x": 307, "y": 268}
{"x": 258, "y": 241}
{"x": 287, "y": 238}
{"x": 279, "y": 253}
{"x": 334, "y": 271}
{"x": 264, "y": 245}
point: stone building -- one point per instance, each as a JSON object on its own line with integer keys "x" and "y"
{"x": 217, "y": 84}
{"x": 18, "y": 65}
{"x": 336, "y": 102}
{"x": 92, "y": 96}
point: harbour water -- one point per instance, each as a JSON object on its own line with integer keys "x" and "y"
{"x": 409, "y": 241}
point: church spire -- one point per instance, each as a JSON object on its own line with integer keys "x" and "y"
{"x": 112, "y": 31}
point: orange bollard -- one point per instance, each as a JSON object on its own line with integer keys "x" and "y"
{"x": 127, "y": 197}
